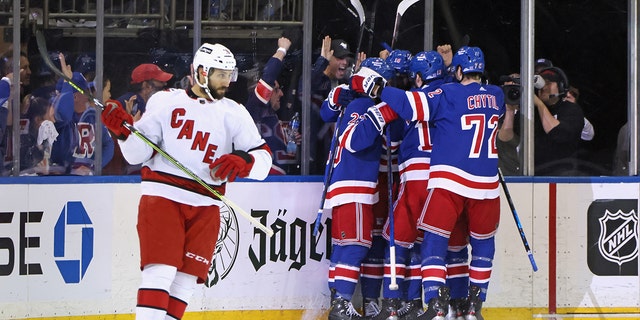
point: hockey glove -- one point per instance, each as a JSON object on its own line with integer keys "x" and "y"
{"x": 367, "y": 81}
{"x": 235, "y": 164}
{"x": 380, "y": 115}
{"x": 339, "y": 97}
{"x": 114, "y": 116}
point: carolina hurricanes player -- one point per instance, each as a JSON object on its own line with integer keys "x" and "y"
{"x": 178, "y": 219}
{"x": 464, "y": 173}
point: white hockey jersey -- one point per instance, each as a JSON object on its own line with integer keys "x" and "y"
{"x": 196, "y": 132}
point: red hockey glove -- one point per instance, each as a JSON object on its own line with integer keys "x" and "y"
{"x": 235, "y": 164}
{"x": 339, "y": 97}
{"x": 366, "y": 80}
{"x": 113, "y": 116}
{"x": 381, "y": 114}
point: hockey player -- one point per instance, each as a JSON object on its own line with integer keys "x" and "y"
{"x": 352, "y": 193}
{"x": 464, "y": 173}
{"x": 178, "y": 219}
{"x": 427, "y": 70}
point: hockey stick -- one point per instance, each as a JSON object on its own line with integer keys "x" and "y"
{"x": 327, "y": 181}
{"x": 358, "y": 6}
{"x": 402, "y": 7}
{"x": 392, "y": 238}
{"x": 42, "y": 47}
{"x": 515, "y": 217}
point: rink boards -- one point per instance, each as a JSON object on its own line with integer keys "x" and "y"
{"x": 69, "y": 250}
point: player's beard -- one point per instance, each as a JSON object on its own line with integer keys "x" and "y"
{"x": 218, "y": 92}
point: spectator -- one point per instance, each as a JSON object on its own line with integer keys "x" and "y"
{"x": 329, "y": 70}
{"x": 37, "y": 140}
{"x": 263, "y": 105}
{"x": 75, "y": 122}
{"x": 6, "y": 111}
{"x": 178, "y": 219}
{"x": 146, "y": 80}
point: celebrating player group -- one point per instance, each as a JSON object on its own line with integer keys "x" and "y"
{"x": 432, "y": 119}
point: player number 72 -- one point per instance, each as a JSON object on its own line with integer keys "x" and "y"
{"x": 480, "y": 125}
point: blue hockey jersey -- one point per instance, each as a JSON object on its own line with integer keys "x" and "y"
{"x": 464, "y": 120}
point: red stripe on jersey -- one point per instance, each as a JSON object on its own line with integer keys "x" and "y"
{"x": 428, "y": 272}
{"x": 179, "y": 182}
{"x": 480, "y": 275}
{"x": 153, "y": 298}
{"x": 471, "y": 184}
{"x": 345, "y": 273}
{"x": 332, "y": 273}
{"x": 416, "y": 166}
{"x": 263, "y": 91}
{"x": 350, "y": 189}
{"x": 176, "y": 308}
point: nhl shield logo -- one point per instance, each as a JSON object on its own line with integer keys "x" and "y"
{"x": 618, "y": 236}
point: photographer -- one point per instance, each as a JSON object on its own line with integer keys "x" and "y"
{"x": 508, "y": 140}
{"x": 558, "y": 125}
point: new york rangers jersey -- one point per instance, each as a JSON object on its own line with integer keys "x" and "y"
{"x": 464, "y": 120}
{"x": 196, "y": 132}
{"x": 355, "y": 172}
{"x": 414, "y": 155}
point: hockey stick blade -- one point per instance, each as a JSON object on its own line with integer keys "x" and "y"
{"x": 358, "y": 6}
{"x": 42, "y": 47}
{"x": 402, "y": 7}
{"x": 523, "y": 237}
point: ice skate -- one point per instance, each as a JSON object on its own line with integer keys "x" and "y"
{"x": 411, "y": 310}
{"x": 437, "y": 307}
{"x": 456, "y": 307}
{"x": 371, "y": 308}
{"x": 388, "y": 309}
{"x": 342, "y": 309}
{"x": 474, "y": 305}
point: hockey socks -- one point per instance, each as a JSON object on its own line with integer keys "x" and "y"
{"x": 181, "y": 290}
{"x": 372, "y": 269}
{"x": 458, "y": 271}
{"x": 153, "y": 294}
{"x": 434, "y": 271}
{"x": 347, "y": 269}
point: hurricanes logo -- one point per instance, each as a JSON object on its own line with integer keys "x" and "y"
{"x": 618, "y": 236}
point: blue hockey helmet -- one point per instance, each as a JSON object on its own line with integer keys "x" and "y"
{"x": 429, "y": 64}
{"x": 380, "y": 66}
{"x": 399, "y": 60}
{"x": 470, "y": 59}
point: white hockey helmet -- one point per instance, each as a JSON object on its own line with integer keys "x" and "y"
{"x": 215, "y": 56}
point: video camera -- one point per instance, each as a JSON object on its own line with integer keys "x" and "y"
{"x": 512, "y": 92}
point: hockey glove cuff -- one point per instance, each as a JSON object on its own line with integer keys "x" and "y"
{"x": 114, "y": 116}
{"x": 380, "y": 115}
{"x": 339, "y": 97}
{"x": 367, "y": 81}
{"x": 235, "y": 164}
